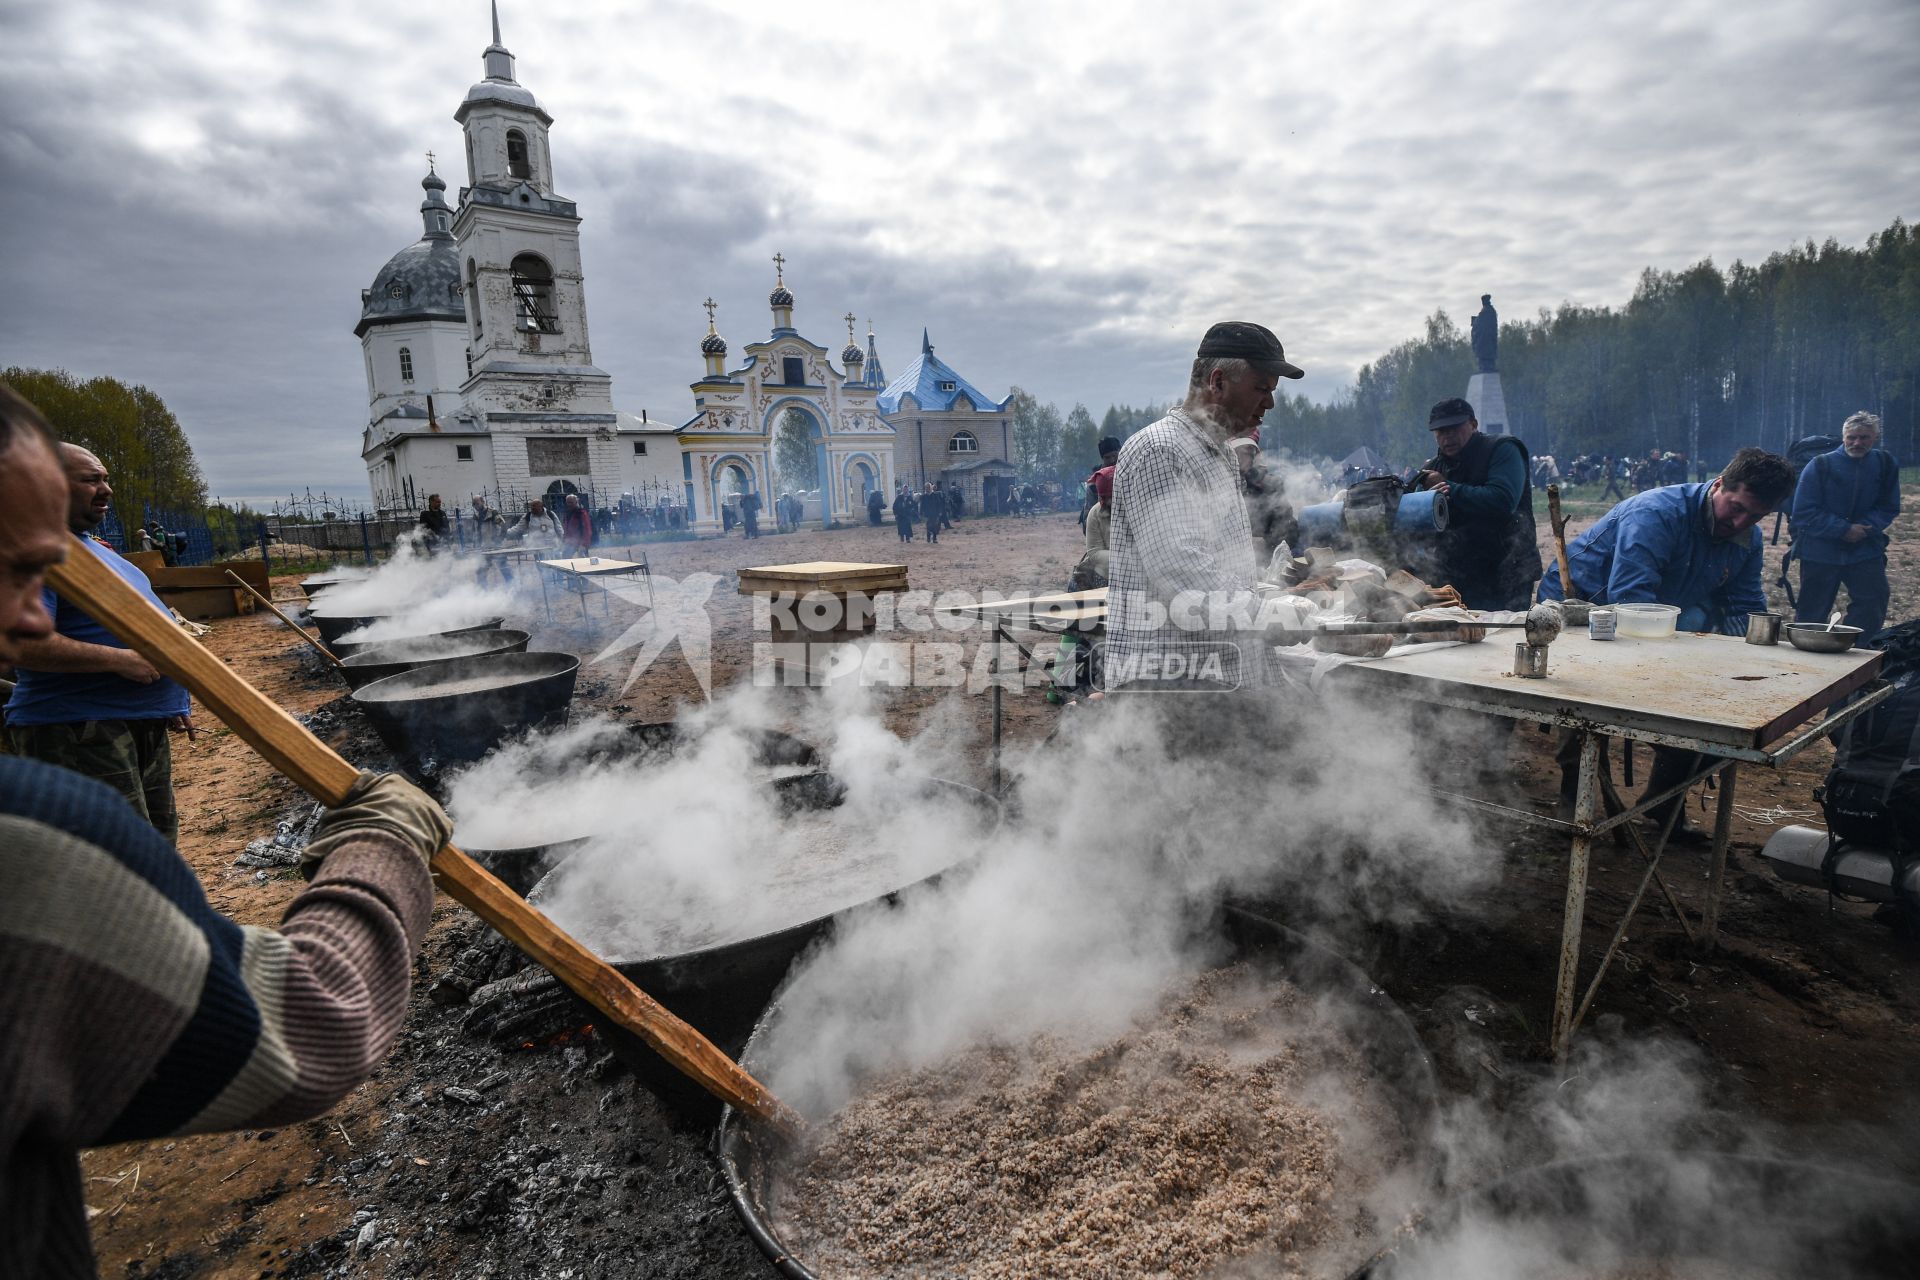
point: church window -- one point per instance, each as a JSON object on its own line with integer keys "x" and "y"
{"x": 406, "y": 365}
{"x": 795, "y": 371}
{"x": 396, "y": 290}
{"x": 517, "y": 165}
{"x": 469, "y": 362}
{"x": 533, "y": 309}
{"x": 473, "y": 305}
{"x": 963, "y": 442}
{"x": 949, "y": 386}
{"x": 639, "y": 448}
{"x": 463, "y": 453}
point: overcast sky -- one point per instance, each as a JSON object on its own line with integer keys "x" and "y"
{"x": 195, "y": 193}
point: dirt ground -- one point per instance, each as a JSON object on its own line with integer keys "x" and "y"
{"x": 463, "y": 1158}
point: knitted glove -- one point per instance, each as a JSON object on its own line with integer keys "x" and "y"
{"x": 380, "y": 802}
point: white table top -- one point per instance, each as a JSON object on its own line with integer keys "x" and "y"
{"x": 589, "y": 566}
{"x": 1718, "y": 689}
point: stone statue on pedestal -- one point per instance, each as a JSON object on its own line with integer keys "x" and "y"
{"x": 1486, "y": 334}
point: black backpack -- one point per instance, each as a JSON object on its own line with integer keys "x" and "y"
{"x": 1872, "y": 794}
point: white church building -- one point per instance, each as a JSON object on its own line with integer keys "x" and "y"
{"x": 480, "y": 375}
{"x": 481, "y": 380}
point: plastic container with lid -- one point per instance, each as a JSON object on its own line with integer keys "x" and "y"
{"x": 1647, "y": 621}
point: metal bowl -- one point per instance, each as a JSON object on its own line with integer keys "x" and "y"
{"x": 1816, "y": 637}
{"x": 722, "y": 986}
{"x": 564, "y": 834}
{"x": 434, "y": 717}
{"x": 346, "y": 648}
{"x": 1379, "y": 1029}
{"x": 390, "y": 658}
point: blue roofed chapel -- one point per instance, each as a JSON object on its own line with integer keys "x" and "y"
{"x": 950, "y": 432}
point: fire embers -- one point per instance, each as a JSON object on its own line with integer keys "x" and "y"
{"x": 1224, "y": 1126}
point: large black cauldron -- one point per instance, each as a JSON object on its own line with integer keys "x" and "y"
{"x": 1379, "y": 1029}
{"x": 723, "y": 988}
{"x": 456, "y": 712}
{"x": 1752, "y": 1216}
{"x": 347, "y": 648}
{"x": 520, "y": 868}
{"x": 378, "y": 661}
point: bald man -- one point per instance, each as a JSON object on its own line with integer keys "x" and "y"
{"x": 83, "y": 700}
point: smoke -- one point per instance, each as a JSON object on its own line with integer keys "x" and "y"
{"x": 416, "y": 593}
{"x": 1135, "y": 822}
{"x": 719, "y": 836}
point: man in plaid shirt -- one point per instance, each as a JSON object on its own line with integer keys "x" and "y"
{"x": 1181, "y": 603}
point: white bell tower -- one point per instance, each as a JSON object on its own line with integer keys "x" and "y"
{"x": 532, "y": 371}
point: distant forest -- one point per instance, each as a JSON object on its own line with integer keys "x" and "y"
{"x": 1700, "y": 361}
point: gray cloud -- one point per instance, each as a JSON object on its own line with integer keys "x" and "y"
{"x": 196, "y": 194}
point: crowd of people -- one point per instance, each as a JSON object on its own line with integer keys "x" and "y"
{"x": 1189, "y": 506}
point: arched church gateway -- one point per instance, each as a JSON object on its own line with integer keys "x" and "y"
{"x": 738, "y": 415}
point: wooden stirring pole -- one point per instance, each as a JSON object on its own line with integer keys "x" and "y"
{"x": 287, "y": 745}
{"x": 275, "y": 611}
{"x": 1559, "y": 523}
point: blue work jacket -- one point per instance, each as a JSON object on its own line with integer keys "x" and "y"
{"x": 1658, "y": 547}
{"x": 1836, "y": 491}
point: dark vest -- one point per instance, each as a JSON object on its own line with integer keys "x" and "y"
{"x": 1492, "y": 562}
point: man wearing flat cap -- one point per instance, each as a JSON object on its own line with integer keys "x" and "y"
{"x": 1489, "y": 552}
{"x": 1182, "y": 565}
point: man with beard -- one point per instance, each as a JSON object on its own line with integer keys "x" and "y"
{"x": 134, "y": 1010}
{"x": 1489, "y": 552}
{"x": 1182, "y": 545}
{"x": 1696, "y": 546}
{"x": 82, "y": 699}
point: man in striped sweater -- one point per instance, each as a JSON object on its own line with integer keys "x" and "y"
{"x": 132, "y": 1009}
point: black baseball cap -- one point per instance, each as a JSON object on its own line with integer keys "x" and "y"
{"x": 1254, "y": 343}
{"x": 1449, "y": 413}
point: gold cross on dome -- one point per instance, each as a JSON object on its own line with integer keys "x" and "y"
{"x": 430, "y": 162}
{"x": 711, "y": 307}
{"x": 779, "y": 267}
{"x": 849, "y": 319}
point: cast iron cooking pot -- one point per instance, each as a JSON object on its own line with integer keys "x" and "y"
{"x": 1381, "y": 1031}
{"x": 723, "y": 987}
{"x": 390, "y": 658}
{"x": 346, "y": 648}
{"x": 1764, "y": 1218}
{"x": 521, "y": 867}
{"x": 434, "y": 717}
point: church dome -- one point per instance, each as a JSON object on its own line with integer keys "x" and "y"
{"x": 421, "y": 282}
{"x": 780, "y": 297}
{"x": 852, "y": 355}
{"x": 713, "y": 345}
{"x": 502, "y": 91}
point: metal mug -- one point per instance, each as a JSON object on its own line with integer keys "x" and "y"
{"x": 1764, "y": 628}
{"x": 1530, "y": 660}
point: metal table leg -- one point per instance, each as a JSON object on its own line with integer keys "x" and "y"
{"x": 1585, "y": 801}
{"x": 1722, "y": 830}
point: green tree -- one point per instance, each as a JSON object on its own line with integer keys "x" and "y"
{"x": 793, "y": 451}
{"x": 1036, "y": 438}
{"x": 130, "y": 429}
{"x": 1079, "y": 444}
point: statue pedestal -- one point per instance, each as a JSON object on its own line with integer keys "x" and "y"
{"x": 1489, "y": 403}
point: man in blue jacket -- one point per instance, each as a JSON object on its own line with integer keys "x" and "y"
{"x": 84, "y": 700}
{"x": 1841, "y": 511}
{"x": 1697, "y": 546}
